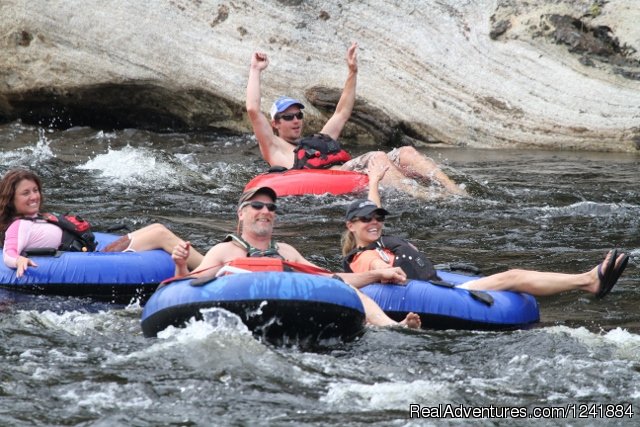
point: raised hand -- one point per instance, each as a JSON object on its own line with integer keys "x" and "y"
{"x": 376, "y": 169}
{"x": 259, "y": 61}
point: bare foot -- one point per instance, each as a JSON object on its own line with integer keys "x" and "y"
{"x": 412, "y": 321}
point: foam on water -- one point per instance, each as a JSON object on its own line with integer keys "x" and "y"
{"x": 218, "y": 329}
{"x": 140, "y": 167}
{"x": 623, "y": 344}
{"x": 385, "y": 396}
{"x": 73, "y": 322}
{"x": 28, "y": 156}
{"x": 133, "y": 166}
{"x": 97, "y": 397}
{"x": 590, "y": 209}
{"x": 222, "y": 346}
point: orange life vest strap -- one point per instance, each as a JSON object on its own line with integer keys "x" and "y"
{"x": 275, "y": 264}
{"x": 258, "y": 264}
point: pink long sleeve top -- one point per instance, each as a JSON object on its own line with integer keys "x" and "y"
{"x": 24, "y": 233}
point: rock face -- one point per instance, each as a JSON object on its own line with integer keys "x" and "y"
{"x": 540, "y": 74}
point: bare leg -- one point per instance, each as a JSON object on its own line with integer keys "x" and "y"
{"x": 393, "y": 178}
{"x": 375, "y": 316}
{"x": 416, "y": 165}
{"x": 541, "y": 283}
{"x": 157, "y": 236}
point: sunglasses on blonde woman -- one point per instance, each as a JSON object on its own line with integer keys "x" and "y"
{"x": 271, "y": 207}
{"x": 369, "y": 218}
{"x": 288, "y": 117}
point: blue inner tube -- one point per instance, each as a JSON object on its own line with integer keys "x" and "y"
{"x": 454, "y": 308}
{"x": 114, "y": 277}
{"x": 281, "y": 308}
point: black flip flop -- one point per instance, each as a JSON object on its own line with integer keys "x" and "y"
{"x": 615, "y": 275}
{"x": 605, "y": 278}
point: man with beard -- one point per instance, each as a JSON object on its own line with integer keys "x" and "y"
{"x": 256, "y": 217}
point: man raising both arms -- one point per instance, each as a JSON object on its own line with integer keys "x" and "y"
{"x": 278, "y": 137}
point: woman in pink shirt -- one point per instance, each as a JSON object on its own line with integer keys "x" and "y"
{"x": 21, "y": 199}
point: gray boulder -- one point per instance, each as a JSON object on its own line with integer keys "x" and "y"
{"x": 538, "y": 74}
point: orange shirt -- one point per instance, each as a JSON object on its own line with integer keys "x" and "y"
{"x": 361, "y": 262}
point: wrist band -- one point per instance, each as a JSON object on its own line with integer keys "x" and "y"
{"x": 336, "y": 277}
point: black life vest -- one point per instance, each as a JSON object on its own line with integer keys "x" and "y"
{"x": 413, "y": 262}
{"x": 318, "y": 151}
{"x": 270, "y": 252}
{"x": 76, "y": 232}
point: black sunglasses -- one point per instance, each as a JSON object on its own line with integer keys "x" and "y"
{"x": 288, "y": 117}
{"x": 271, "y": 207}
{"x": 368, "y": 218}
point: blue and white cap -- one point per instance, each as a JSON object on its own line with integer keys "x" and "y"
{"x": 282, "y": 104}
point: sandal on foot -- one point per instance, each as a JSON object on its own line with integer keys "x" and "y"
{"x": 606, "y": 282}
{"x": 616, "y": 272}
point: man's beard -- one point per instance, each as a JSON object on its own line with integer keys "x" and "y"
{"x": 261, "y": 229}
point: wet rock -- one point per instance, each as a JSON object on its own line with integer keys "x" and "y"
{"x": 365, "y": 119}
{"x": 594, "y": 43}
{"x": 636, "y": 138}
{"x": 581, "y": 38}
{"x": 126, "y": 105}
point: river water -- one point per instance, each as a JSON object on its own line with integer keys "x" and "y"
{"x": 73, "y": 362}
